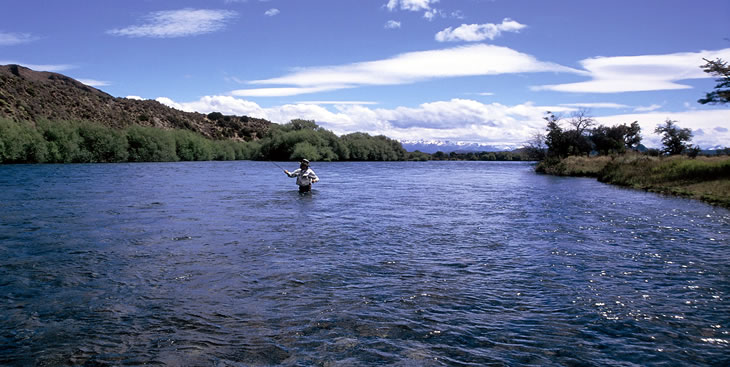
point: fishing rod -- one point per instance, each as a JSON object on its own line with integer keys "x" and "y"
{"x": 282, "y": 168}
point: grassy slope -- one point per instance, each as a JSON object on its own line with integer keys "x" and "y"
{"x": 703, "y": 178}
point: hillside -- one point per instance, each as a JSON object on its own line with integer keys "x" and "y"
{"x": 28, "y": 95}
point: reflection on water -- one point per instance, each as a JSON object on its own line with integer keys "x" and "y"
{"x": 418, "y": 264}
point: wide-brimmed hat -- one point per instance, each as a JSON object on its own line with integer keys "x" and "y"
{"x": 305, "y": 161}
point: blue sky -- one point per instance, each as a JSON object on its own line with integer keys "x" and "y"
{"x": 480, "y": 71}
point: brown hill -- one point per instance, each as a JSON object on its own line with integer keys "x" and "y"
{"x": 30, "y": 95}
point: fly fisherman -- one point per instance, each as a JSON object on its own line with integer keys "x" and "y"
{"x": 305, "y": 176}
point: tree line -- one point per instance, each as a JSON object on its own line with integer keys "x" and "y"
{"x": 517, "y": 155}
{"x": 581, "y": 136}
{"x": 86, "y": 142}
{"x": 305, "y": 139}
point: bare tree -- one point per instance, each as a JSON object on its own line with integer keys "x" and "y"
{"x": 581, "y": 120}
{"x": 536, "y": 147}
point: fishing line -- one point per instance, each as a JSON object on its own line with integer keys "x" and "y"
{"x": 282, "y": 168}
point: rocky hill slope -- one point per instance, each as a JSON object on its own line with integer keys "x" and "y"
{"x": 30, "y": 95}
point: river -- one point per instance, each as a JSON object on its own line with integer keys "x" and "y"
{"x": 395, "y": 263}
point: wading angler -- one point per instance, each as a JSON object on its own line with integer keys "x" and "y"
{"x": 305, "y": 176}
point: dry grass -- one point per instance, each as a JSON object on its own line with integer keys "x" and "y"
{"x": 704, "y": 178}
{"x": 585, "y": 166}
{"x": 574, "y": 166}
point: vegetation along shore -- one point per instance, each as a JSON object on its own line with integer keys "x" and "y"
{"x": 50, "y": 118}
{"x": 615, "y": 155}
{"x": 703, "y": 178}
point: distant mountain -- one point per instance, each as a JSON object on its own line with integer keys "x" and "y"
{"x": 433, "y": 146}
{"x": 716, "y": 150}
{"x": 30, "y": 95}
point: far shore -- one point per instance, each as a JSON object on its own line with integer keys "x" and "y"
{"x": 701, "y": 178}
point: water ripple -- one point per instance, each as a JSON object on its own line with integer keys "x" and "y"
{"x": 440, "y": 263}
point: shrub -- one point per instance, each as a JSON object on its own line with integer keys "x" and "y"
{"x": 102, "y": 144}
{"x": 222, "y": 151}
{"x": 20, "y": 142}
{"x": 304, "y": 150}
{"x": 62, "y": 139}
{"x": 148, "y": 144}
{"x": 215, "y": 116}
{"x": 192, "y": 147}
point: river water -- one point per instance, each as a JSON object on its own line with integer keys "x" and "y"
{"x": 399, "y": 263}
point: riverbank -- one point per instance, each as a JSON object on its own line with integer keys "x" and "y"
{"x": 702, "y": 178}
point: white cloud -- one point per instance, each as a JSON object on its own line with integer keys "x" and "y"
{"x": 338, "y": 103}
{"x": 40, "y": 67}
{"x": 478, "y": 32}
{"x": 271, "y": 12}
{"x": 418, "y": 5}
{"x": 596, "y": 105}
{"x": 455, "y": 113}
{"x": 224, "y": 104}
{"x": 410, "y": 5}
{"x": 178, "y": 23}
{"x": 653, "y": 107}
{"x": 458, "y": 14}
{"x": 455, "y": 120}
{"x": 392, "y": 24}
{"x": 473, "y": 60}
{"x": 233, "y": 79}
{"x": 640, "y": 73}
{"x": 12, "y": 39}
{"x": 137, "y": 98}
{"x": 94, "y": 83}
{"x": 433, "y": 13}
{"x": 285, "y": 91}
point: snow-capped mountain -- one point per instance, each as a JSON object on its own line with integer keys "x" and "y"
{"x": 433, "y": 146}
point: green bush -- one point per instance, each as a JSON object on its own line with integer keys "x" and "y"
{"x": 418, "y": 156}
{"x": 304, "y": 150}
{"x": 62, "y": 140}
{"x": 21, "y": 143}
{"x": 102, "y": 144}
{"x": 192, "y": 147}
{"x": 364, "y": 147}
{"x": 149, "y": 144}
{"x": 78, "y": 142}
{"x": 300, "y": 139}
{"x": 247, "y": 150}
{"x": 223, "y": 151}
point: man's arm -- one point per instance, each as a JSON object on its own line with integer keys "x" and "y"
{"x": 293, "y": 174}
